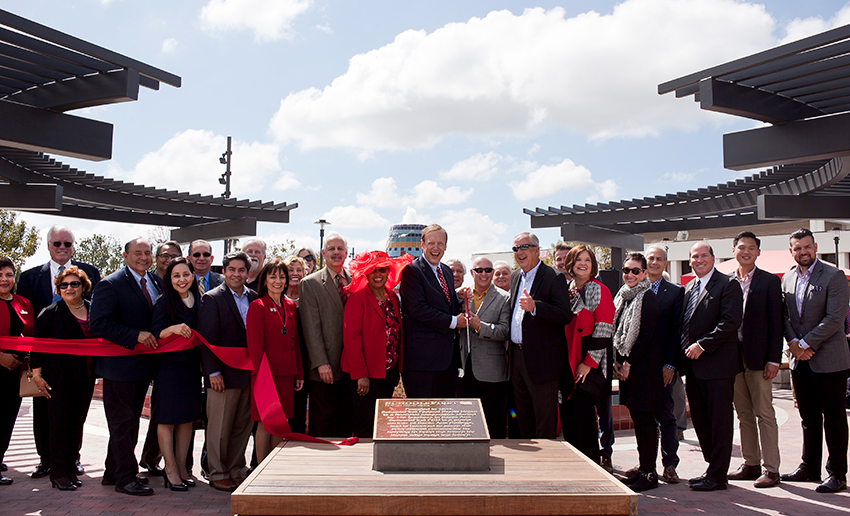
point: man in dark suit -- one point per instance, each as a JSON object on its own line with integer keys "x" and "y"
{"x": 714, "y": 307}
{"x": 121, "y": 309}
{"x": 760, "y": 348}
{"x": 540, "y": 306}
{"x": 36, "y": 285}
{"x": 221, "y": 321}
{"x": 667, "y": 335}
{"x": 432, "y": 313}
{"x": 201, "y": 257}
{"x": 816, "y": 297}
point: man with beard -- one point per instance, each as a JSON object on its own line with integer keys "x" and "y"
{"x": 256, "y": 251}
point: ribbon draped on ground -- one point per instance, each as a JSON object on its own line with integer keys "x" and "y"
{"x": 264, "y": 392}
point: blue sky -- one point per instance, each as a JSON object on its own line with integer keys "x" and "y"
{"x": 463, "y": 113}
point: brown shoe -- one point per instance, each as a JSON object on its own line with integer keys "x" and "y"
{"x": 237, "y": 481}
{"x": 606, "y": 464}
{"x": 767, "y": 479}
{"x": 225, "y": 484}
{"x": 669, "y": 475}
{"x": 745, "y": 472}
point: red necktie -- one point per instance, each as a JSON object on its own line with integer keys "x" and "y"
{"x": 145, "y": 293}
{"x": 340, "y": 284}
{"x": 443, "y": 284}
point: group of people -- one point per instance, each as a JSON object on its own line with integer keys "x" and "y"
{"x": 544, "y": 342}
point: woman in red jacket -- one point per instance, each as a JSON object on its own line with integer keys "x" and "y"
{"x": 271, "y": 331}
{"x": 372, "y": 340}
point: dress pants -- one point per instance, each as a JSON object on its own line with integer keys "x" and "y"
{"x": 680, "y": 407}
{"x": 757, "y": 419}
{"x": 41, "y": 429}
{"x": 605, "y": 417}
{"x": 820, "y": 398}
{"x": 332, "y": 408}
{"x": 712, "y": 414}
{"x": 494, "y": 400}
{"x": 150, "y": 450}
{"x": 11, "y": 403}
{"x": 364, "y": 406}
{"x": 646, "y": 435}
{"x": 228, "y": 429}
{"x": 664, "y": 415}
{"x": 578, "y": 421}
{"x": 67, "y": 408}
{"x": 536, "y": 403}
{"x": 123, "y": 402}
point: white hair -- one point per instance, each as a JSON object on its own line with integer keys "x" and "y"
{"x": 57, "y": 228}
{"x": 333, "y": 235}
{"x": 450, "y": 261}
{"x": 254, "y": 240}
{"x": 501, "y": 263}
{"x": 658, "y": 246}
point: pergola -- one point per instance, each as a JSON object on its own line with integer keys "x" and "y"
{"x": 44, "y": 74}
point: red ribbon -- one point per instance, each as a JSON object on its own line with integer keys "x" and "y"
{"x": 265, "y": 395}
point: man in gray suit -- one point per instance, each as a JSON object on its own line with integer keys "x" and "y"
{"x": 816, "y": 297}
{"x": 321, "y": 310}
{"x": 484, "y": 347}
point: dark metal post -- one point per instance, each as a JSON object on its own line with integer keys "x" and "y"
{"x": 322, "y": 223}
{"x": 225, "y": 180}
{"x": 836, "y": 231}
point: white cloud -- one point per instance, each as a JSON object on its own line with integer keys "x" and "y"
{"x": 326, "y": 28}
{"x": 410, "y": 216}
{"x": 479, "y": 167}
{"x": 169, "y": 45}
{"x": 544, "y": 180}
{"x": 189, "y": 162}
{"x": 269, "y": 20}
{"x": 801, "y": 28}
{"x": 384, "y": 194}
{"x": 516, "y": 75}
{"x": 357, "y": 217}
{"x": 533, "y": 149}
{"x": 676, "y": 177}
{"x": 106, "y": 3}
{"x": 471, "y": 231}
{"x": 287, "y": 181}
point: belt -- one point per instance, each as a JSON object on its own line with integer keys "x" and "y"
{"x": 517, "y": 344}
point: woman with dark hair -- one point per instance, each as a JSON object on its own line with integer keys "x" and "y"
{"x": 371, "y": 333}
{"x": 638, "y": 364}
{"x": 272, "y": 331}
{"x": 589, "y": 352}
{"x": 177, "y": 381}
{"x": 15, "y": 320}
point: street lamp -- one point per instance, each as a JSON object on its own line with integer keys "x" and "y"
{"x": 836, "y": 231}
{"x": 225, "y": 180}
{"x": 322, "y": 223}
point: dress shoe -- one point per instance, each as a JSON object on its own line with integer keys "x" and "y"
{"x": 646, "y": 480}
{"x": 745, "y": 472}
{"x": 708, "y": 485}
{"x": 63, "y": 484}
{"x": 190, "y": 482}
{"x": 111, "y": 481}
{"x": 800, "y": 475}
{"x": 237, "y": 481}
{"x": 153, "y": 470}
{"x": 74, "y": 480}
{"x": 696, "y": 480}
{"x": 669, "y": 475}
{"x": 606, "y": 464}
{"x": 4, "y": 467}
{"x": 134, "y": 488}
{"x": 40, "y": 471}
{"x": 832, "y": 485}
{"x": 5, "y": 481}
{"x": 680, "y": 435}
{"x": 631, "y": 479}
{"x": 632, "y": 472}
{"x": 174, "y": 487}
{"x": 224, "y": 484}
{"x": 80, "y": 469}
{"x": 767, "y": 479}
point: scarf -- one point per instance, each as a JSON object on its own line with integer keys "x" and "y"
{"x": 628, "y": 305}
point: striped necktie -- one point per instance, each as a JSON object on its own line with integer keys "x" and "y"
{"x": 57, "y": 297}
{"x": 689, "y": 311}
{"x": 201, "y": 288}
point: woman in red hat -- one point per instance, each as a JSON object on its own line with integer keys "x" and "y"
{"x": 372, "y": 340}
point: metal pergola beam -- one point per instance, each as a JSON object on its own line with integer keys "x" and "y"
{"x": 82, "y": 92}
{"x": 734, "y": 99}
{"x": 600, "y": 236}
{"x": 31, "y": 197}
{"x": 804, "y": 207}
{"x": 220, "y": 230}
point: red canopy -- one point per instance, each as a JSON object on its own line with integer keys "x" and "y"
{"x": 776, "y": 262}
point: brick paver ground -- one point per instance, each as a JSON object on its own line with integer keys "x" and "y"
{"x": 35, "y": 497}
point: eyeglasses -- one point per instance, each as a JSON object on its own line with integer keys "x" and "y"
{"x": 522, "y": 246}
{"x": 483, "y": 270}
{"x": 72, "y": 284}
{"x": 634, "y": 271}
{"x": 60, "y": 244}
{"x": 309, "y": 258}
{"x": 169, "y": 256}
{"x": 198, "y": 255}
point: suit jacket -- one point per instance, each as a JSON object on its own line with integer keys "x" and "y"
{"x": 429, "y": 342}
{"x": 265, "y": 336}
{"x": 35, "y": 285}
{"x": 321, "y": 311}
{"x": 489, "y": 347}
{"x": 714, "y": 326}
{"x": 221, "y": 324}
{"x": 821, "y": 324}
{"x": 641, "y": 391}
{"x": 763, "y": 324}
{"x": 544, "y": 342}
{"x": 365, "y": 335}
{"x": 57, "y": 322}
{"x": 668, "y": 331}
{"x": 119, "y": 312}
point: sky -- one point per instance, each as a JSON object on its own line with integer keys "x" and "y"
{"x": 373, "y": 113}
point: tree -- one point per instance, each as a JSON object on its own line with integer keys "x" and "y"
{"x": 281, "y": 251}
{"x": 103, "y": 251}
{"x": 18, "y": 241}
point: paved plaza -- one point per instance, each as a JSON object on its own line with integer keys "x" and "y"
{"x": 35, "y": 497}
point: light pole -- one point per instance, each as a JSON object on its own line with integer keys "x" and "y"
{"x": 836, "y": 231}
{"x": 322, "y": 223}
{"x": 225, "y": 180}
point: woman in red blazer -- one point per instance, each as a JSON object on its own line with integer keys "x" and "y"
{"x": 371, "y": 351}
{"x": 16, "y": 318}
{"x": 272, "y": 331}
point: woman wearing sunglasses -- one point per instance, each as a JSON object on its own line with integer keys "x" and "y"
{"x": 67, "y": 381}
{"x": 638, "y": 365}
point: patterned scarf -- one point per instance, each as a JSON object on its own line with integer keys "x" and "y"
{"x": 629, "y": 305}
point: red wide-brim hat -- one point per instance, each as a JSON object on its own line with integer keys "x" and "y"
{"x": 365, "y": 263}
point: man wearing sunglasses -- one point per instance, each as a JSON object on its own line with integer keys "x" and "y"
{"x": 201, "y": 257}
{"x": 36, "y": 285}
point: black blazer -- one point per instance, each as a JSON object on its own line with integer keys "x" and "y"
{"x": 544, "y": 340}
{"x": 35, "y": 285}
{"x": 764, "y": 323}
{"x": 668, "y": 331}
{"x": 184, "y": 315}
{"x": 220, "y": 323}
{"x": 429, "y": 343}
{"x": 119, "y": 312}
{"x": 57, "y": 322}
{"x": 641, "y": 391}
{"x": 714, "y": 326}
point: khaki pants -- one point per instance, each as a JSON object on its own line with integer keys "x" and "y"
{"x": 228, "y": 429}
{"x": 757, "y": 420}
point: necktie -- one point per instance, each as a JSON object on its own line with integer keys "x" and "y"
{"x": 57, "y": 297}
{"x": 340, "y": 284}
{"x": 443, "y": 284}
{"x": 201, "y": 288}
{"x": 689, "y": 311}
{"x": 147, "y": 294}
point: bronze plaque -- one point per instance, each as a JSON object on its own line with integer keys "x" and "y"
{"x": 430, "y": 420}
